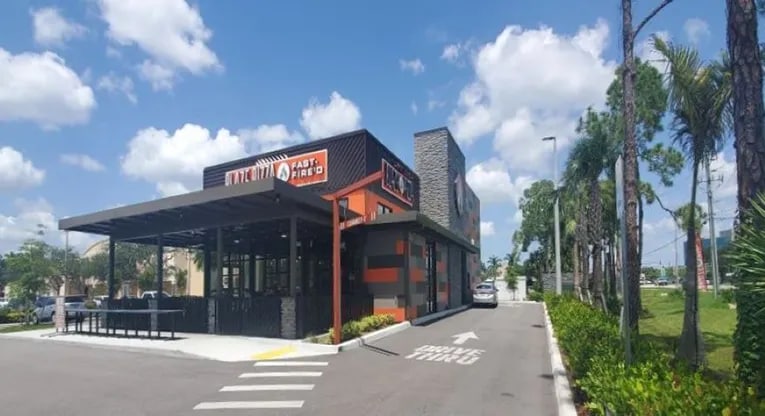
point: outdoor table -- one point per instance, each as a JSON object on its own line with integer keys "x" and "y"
{"x": 78, "y": 325}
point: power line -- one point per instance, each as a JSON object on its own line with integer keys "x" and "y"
{"x": 663, "y": 245}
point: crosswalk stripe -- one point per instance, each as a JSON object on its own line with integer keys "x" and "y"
{"x": 283, "y": 374}
{"x": 268, "y": 387}
{"x": 291, "y": 364}
{"x": 283, "y": 404}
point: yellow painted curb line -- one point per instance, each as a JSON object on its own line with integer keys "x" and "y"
{"x": 271, "y": 354}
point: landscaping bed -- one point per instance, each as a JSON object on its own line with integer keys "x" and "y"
{"x": 355, "y": 329}
{"x": 593, "y": 353}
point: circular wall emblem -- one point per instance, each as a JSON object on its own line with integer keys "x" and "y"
{"x": 283, "y": 172}
{"x": 459, "y": 194}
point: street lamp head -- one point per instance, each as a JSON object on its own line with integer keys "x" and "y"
{"x": 548, "y": 138}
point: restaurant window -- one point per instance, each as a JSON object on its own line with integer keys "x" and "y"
{"x": 383, "y": 209}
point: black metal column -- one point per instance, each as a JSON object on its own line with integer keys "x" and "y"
{"x": 293, "y": 257}
{"x": 110, "y": 272}
{"x": 218, "y": 262}
{"x": 160, "y": 268}
{"x": 206, "y": 270}
{"x": 251, "y": 269}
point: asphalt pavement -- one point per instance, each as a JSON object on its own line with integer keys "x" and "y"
{"x": 442, "y": 369}
{"x": 478, "y": 362}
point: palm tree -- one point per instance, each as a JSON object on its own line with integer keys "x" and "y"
{"x": 588, "y": 159}
{"x": 493, "y": 266}
{"x": 699, "y": 94}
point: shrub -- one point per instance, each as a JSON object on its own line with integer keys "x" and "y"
{"x": 535, "y": 296}
{"x": 355, "y": 329}
{"x": 10, "y": 316}
{"x": 728, "y": 296}
{"x": 594, "y": 353}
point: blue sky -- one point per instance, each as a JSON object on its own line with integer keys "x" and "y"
{"x": 111, "y": 102}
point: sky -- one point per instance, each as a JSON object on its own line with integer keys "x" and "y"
{"x": 111, "y": 102}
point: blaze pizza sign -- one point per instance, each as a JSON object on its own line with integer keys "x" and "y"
{"x": 398, "y": 185}
{"x": 299, "y": 170}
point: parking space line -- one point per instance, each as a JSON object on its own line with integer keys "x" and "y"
{"x": 283, "y": 374}
{"x": 269, "y": 387}
{"x": 282, "y": 404}
{"x": 291, "y": 364}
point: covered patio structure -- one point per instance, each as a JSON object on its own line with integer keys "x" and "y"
{"x": 267, "y": 249}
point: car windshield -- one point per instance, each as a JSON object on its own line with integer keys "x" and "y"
{"x": 74, "y": 299}
{"x": 485, "y": 287}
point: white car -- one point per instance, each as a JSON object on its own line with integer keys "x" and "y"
{"x": 485, "y": 294}
{"x": 45, "y": 307}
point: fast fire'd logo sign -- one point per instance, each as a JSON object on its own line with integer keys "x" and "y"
{"x": 397, "y": 184}
{"x": 299, "y": 170}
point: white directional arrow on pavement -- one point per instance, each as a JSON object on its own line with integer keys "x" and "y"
{"x": 463, "y": 337}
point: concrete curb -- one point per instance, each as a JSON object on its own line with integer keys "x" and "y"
{"x": 560, "y": 379}
{"x": 374, "y": 336}
{"x": 439, "y": 315}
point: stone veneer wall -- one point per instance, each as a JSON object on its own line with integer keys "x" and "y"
{"x": 288, "y": 318}
{"x": 431, "y": 157}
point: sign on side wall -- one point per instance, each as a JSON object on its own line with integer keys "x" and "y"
{"x": 299, "y": 170}
{"x": 398, "y": 185}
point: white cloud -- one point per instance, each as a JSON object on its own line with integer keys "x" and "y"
{"x": 174, "y": 161}
{"x": 415, "y": 66}
{"x": 724, "y": 181}
{"x": 492, "y": 183}
{"x": 171, "y": 32}
{"x": 414, "y": 108}
{"x": 339, "y": 115}
{"x": 434, "y": 104}
{"x": 266, "y": 138}
{"x": 52, "y": 29}
{"x": 451, "y": 52}
{"x": 35, "y": 219}
{"x": 17, "y": 172}
{"x": 647, "y": 53}
{"x": 487, "y": 228}
{"x": 41, "y": 88}
{"x": 457, "y": 53}
{"x": 84, "y": 162}
{"x": 114, "y": 83}
{"x": 531, "y": 83}
{"x": 664, "y": 226}
{"x": 696, "y": 29}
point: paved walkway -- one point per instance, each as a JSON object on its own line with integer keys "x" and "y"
{"x": 213, "y": 347}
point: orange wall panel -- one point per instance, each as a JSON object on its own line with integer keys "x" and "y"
{"x": 383, "y": 275}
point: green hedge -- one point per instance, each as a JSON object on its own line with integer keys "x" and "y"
{"x": 354, "y": 329}
{"x": 10, "y": 316}
{"x": 594, "y": 354}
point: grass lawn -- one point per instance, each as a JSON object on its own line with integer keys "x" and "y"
{"x": 22, "y": 327}
{"x": 664, "y": 322}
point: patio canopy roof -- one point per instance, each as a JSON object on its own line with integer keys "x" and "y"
{"x": 183, "y": 219}
{"x": 426, "y": 224}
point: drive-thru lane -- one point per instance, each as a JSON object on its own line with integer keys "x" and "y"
{"x": 479, "y": 362}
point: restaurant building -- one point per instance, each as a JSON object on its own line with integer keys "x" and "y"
{"x": 409, "y": 239}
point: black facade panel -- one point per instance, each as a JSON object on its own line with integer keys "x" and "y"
{"x": 376, "y": 152}
{"x": 385, "y": 261}
{"x": 346, "y": 160}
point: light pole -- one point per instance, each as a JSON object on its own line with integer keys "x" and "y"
{"x": 558, "y": 278}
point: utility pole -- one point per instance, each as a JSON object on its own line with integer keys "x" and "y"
{"x": 556, "y": 215}
{"x": 712, "y": 234}
{"x": 676, "y": 271}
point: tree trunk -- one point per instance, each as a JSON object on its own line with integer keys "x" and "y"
{"x": 691, "y": 345}
{"x": 596, "y": 236}
{"x": 744, "y": 51}
{"x": 577, "y": 271}
{"x": 632, "y": 266}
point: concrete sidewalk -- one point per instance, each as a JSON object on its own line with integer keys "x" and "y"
{"x": 207, "y": 346}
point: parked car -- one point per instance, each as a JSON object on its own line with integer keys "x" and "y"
{"x": 45, "y": 307}
{"x": 662, "y": 281}
{"x": 485, "y": 294}
{"x": 152, "y": 294}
